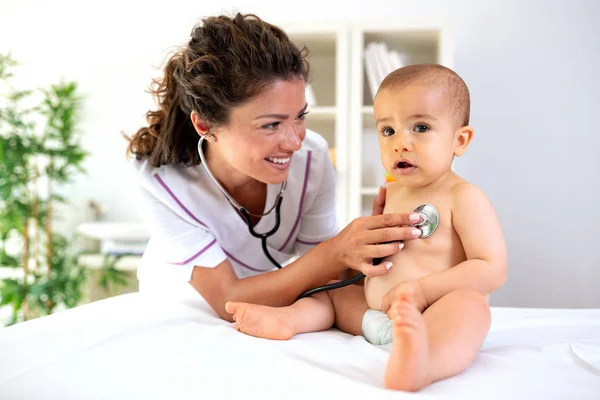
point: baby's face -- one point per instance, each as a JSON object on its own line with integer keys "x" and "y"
{"x": 416, "y": 132}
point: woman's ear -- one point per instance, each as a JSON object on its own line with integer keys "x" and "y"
{"x": 462, "y": 138}
{"x": 200, "y": 126}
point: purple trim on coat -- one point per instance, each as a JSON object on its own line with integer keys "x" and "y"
{"x": 243, "y": 264}
{"x": 308, "y": 243}
{"x": 164, "y": 185}
{"x": 306, "y": 174}
{"x": 195, "y": 255}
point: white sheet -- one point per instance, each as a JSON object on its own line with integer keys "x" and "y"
{"x": 132, "y": 347}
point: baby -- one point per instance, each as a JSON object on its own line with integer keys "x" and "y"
{"x": 433, "y": 302}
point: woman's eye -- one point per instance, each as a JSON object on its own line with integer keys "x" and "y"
{"x": 421, "y": 128}
{"x": 303, "y": 115}
{"x": 388, "y": 131}
{"x": 272, "y": 126}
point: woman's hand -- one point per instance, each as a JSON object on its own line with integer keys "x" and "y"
{"x": 377, "y": 236}
{"x": 409, "y": 286}
{"x": 379, "y": 202}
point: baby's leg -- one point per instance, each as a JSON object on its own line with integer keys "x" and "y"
{"x": 310, "y": 314}
{"x": 440, "y": 343}
{"x": 350, "y": 305}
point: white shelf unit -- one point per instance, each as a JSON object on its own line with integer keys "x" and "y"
{"x": 417, "y": 43}
{"x": 344, "y": 114}
{"x": 328, "y": 47}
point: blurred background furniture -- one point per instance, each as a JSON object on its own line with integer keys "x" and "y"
{"x": 112, "y": 248}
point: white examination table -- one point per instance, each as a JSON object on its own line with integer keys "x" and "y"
{"x": 133, "y": 347}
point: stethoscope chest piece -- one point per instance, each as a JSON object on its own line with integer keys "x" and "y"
{"x": 431, "y": 219}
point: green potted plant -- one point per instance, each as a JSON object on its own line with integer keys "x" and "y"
{"x": 39, "y": 151}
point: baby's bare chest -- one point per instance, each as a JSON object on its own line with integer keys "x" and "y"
{"x": 439, "y": 251}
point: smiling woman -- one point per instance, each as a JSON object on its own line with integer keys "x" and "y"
{"x": 256, "y": 146}
{"x": 236, "y": 94}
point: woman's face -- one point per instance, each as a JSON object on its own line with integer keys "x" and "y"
{"x": 263, "y": 134}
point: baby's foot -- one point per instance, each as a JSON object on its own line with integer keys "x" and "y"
{"x": 262, "y": 321}
{"x": 407, "y": 367}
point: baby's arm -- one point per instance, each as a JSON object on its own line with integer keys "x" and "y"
{"x": 479, "y": 230}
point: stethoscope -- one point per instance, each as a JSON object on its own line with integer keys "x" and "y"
{"x": 428, "y": 224}
{"x": 247, "y": 214}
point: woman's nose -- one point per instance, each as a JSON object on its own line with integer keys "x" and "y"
{"x": 293, "y": 139}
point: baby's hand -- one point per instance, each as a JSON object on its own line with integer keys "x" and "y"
{"x": 392, "y": 296}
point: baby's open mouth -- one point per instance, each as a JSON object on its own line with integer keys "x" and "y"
{"x": 404, "y": 167}
{"x": 404, "y": 164}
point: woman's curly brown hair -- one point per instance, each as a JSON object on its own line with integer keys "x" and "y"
{"x": 226, "y": 63}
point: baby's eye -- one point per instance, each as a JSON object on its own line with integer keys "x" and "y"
{"x": 421, "y": 128}
{"x": 272, "y": 126}
{"x": 388, "y": 131}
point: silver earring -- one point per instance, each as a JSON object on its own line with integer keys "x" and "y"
{"x": 210, "y": 136}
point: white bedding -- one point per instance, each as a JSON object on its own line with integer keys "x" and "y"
{"x": 132, "y": 347}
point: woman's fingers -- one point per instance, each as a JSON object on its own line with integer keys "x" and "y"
{"x": 380, "y": 251}
{"x": 372, "y": 271}
{"x": 375, "y": 237}
{"x": 383, "y": 250}
{"x": 379, "y": 202}
{"x": 389, "y": 220}
{"x": 395, "y": 234}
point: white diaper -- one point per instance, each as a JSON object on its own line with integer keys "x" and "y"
{"x": 377, "y": 328}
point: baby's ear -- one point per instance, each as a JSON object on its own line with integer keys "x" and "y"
{"x": 462, "y": 138}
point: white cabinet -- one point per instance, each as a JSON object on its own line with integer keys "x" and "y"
{"x": 328, "y": 48}
{"x": 342, "y": 87}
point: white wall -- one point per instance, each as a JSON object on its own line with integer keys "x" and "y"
{"x": 531, "y": 67}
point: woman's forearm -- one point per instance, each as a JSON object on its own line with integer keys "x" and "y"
{"x": 282, "y": 287}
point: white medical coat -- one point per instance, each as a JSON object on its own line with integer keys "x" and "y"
{"x": 191, "y": 222}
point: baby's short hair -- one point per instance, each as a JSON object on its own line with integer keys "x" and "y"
{"x": 439, "y": 76}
